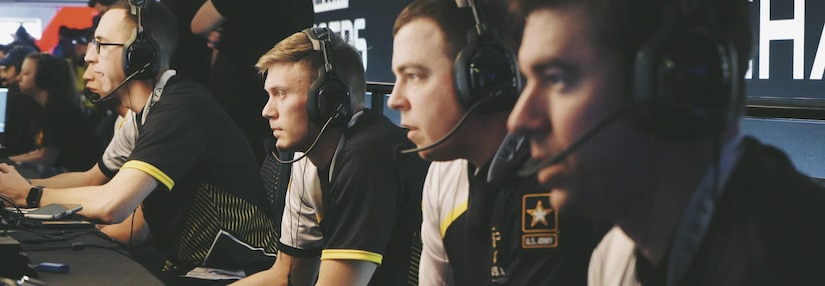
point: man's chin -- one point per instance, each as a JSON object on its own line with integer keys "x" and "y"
{"x": 550, "y": 175}
{"x": 438, "y": 153}
{"x": 285, "y": 147}
{"x": 574, "y": 204}
{"x": 558, "y": 199}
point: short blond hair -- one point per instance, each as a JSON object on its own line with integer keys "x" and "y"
{"x": 297, "y": 48}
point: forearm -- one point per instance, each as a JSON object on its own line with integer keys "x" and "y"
{"x": 26, "y": 157}
{"x": 97, "y": 205}
{"x": 304, "y": 271}
{"x": 206, "y": 20}
{"x": 132, "y": 231}
{"x": 92, "y": 177}
{"x": 110, "y": 203}
{"x": 345, "y": 272}
{"x": 43, "y": 156}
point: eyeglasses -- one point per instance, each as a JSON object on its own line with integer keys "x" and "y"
{"x": 97, "y": 45}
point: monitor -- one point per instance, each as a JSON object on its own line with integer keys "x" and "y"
{"x": 4, "y": 95}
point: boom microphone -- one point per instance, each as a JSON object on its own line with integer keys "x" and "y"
{"x": 452, "y": 132}
{"x": 513, "y": 153}
{"x": 269, "y": 143}
{"x": 532, "y": 166}
{"x": 96, "y": 98}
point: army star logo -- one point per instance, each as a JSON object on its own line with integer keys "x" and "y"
{"x": 539, "y": 214}
{"x": 539, "y": 222}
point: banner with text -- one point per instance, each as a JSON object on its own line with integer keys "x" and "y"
{"x": 788, "y": 58}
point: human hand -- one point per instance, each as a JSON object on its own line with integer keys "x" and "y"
{"x": 13, "y": 185}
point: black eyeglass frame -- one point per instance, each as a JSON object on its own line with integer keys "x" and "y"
{"x": 97, "y": 45}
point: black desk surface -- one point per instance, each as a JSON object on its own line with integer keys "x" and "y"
{"x": 97, "y": 262}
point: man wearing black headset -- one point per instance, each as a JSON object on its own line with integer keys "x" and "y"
{"x": 131, "y": 230}
{"x": 190, "y": 169}
{"x": 632, "y": 109}
{"x": 454, "y": 94}
{"x": 352, "y": 206}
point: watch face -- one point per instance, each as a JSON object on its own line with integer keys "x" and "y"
{"x": 33, "y": 199}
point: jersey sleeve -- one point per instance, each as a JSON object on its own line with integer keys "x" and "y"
{"x": 434, "y": 267}
{"x": 300, "y": 231}
{"x": 361, "y": 207}
{"x": 121, "y": 146}
{"x": 170, "y": 142}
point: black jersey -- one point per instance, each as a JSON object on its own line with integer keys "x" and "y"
{"x": 533, "y": 244}
{"x": 210, "y": 194}
{"x": 364, "y": 206}
{"x": 767, "y": 229}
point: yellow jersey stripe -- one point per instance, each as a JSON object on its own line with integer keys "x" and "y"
{"x": 151, "y": 171}
{"x": 352, "y": 254}
{"x": 452, "y": 216}
{"x": 120, "y": 124}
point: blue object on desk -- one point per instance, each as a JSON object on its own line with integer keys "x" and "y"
{"x": 52, "y": 267}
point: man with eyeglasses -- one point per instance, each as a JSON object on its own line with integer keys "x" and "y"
{"x": 190, "y": 171}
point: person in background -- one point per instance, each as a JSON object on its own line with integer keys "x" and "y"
{"x": 71, "y": 46}
{"x": 190, "y": 170}
{"x": 633, "y": 109}
{"x": 481, "y": 226}
{"x": 4, "y": 50}
{"x": 234, "y": 81}
{"x": 101, "y": 6}
{"x": 192, "y": 58}
{"x": 64, "y": 138}
{"x": 23, "y": 113}
{"x": 353, "y": 207}
{"x": 22, "y": 37}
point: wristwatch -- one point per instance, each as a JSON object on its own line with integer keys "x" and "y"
{"x": 33, "y": 199}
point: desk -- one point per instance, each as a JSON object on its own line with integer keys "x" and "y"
{"x": 99, "y": 262}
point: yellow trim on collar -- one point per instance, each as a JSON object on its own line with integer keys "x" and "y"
{"x": 352, "y": 254}
{"x": 452, "y": 216}
{"x": 120, "y": 124}
{"x": 151, "y": 171}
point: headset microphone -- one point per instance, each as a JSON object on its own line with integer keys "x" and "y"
{"x": 96, "y": 98}
{"x": 449, "y": 134}
{"x": 532, "y": 167}
{"x": 274, "y": 149}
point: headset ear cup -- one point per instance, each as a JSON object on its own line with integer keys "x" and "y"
{"x": 314, "y": 98}
{"x": 332, "y": 95}
{"x": 328, "y": 97}
{"x": 684, "y": 83}
{"x": 461, "y": 70}
{"x": 136, "y": 57}
{"x": 486, "y": 70}
{"x": 341, "y": 94}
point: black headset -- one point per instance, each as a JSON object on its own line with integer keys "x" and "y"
{"x": 686, "y": 75}
{"x": 485, "y": 69}
{"x": 141, "y": 56}
{"x": 328, "y": 97}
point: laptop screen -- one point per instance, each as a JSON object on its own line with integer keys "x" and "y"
{"x": 4, "y": 94}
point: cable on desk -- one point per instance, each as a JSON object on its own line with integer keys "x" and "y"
{"x": 9, "y": 217}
